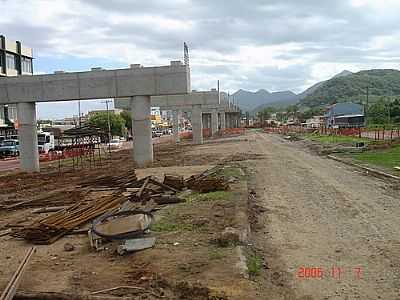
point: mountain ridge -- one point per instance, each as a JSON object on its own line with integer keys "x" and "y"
{"x": 256, "y": 101}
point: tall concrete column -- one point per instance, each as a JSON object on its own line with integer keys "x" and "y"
{"x": 197, "y": 125}
{"x": 28, "y": 142}
{"x": 141, "y": 125}
{"x": 228, "y": 120}
{"x": 175, "y": 117}
{"x": 214, "y": 122}
{"x": 222, "y": 119}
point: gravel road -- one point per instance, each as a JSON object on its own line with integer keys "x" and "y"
{"x": 324, "y": 215}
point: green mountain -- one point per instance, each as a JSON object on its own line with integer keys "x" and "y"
{"x": 353, "y": 87}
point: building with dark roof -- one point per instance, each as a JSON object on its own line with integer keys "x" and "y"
{"x": 345, "y": 115}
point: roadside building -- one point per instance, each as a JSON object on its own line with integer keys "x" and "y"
{"x": 314, "y": 122}
{"x": 345, "y": 115}
{"x": 15, "y": 60}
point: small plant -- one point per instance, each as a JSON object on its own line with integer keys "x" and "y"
{"x": 254, "y": 264}
{"x": 212, "y": 196}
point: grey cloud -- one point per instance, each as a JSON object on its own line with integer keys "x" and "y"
{"x": 325, "y": 32}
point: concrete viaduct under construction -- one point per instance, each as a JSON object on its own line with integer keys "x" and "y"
{"x": 137, "y": 88}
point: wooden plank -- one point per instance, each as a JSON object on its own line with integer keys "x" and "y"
{"x": 12, "y": 286}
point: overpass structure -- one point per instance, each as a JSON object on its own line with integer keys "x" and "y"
{"x": 209, "y": 108}
{"x": 136, "y": 83}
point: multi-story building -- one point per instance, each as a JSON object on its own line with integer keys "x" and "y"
{"x": 15, "y": 60}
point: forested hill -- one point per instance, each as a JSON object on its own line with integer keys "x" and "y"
{"x": 353, "y": 88}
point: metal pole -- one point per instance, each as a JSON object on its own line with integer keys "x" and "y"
{"x": 79, "y": 113}
{"x": 109, "y": 127}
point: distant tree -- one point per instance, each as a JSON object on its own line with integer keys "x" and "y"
{"x": 117, "y": 123}
{"x": 127, "y": 116}
{"x": 265, "y": 114}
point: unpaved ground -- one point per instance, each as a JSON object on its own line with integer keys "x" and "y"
{"x": 321, "y": 213}
{"x": 183, "y": 264}
{"x": 309, "y": 211}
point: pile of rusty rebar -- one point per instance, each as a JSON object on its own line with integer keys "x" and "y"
{"x": 128, "y": 179}
{"x": 55, "y": 198}
{"x": 207, "y": 181}
{"x": 50, "y": 229}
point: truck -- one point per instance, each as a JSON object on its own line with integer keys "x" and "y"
{"x": 45, "y": 142}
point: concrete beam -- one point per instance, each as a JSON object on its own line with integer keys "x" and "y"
{"x": 97, "y": 84}
{"x": 141, "y": 125}
{"x": 28, "y": 142}
{"x": 208, "y": 99}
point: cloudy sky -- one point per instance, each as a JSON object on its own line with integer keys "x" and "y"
{"x": 270, "y": 44}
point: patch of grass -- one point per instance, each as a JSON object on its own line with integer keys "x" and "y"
{"x": 335, "y": 139}
{"x": 231, "y": 171}
{"x": 216, "y": 253}
{"x": 254, "y": 264}
{"x": 169, "y": 226}
{"x": 212, "y": 196}
{"x": 388, "y": 158}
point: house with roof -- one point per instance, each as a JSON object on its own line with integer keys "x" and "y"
{"x": 345, "y": 115}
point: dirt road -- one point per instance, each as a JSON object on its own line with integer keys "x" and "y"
{"x": 322, "y": 214}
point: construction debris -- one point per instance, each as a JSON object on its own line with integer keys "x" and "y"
{"x": 50, "y": 229}
{"x": 122, "y": 225}
{"x": 12, "y": 286}
{"x": 136, "y": 245}
{"x": 57, "y": 198}
{"x": 175, "y": 181}
{"x": 108, "y": 182}
{"x": 207, "y": 181}
{"x": 210, "y": 184}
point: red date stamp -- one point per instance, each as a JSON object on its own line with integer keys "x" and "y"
{"x": 333, "y": 272}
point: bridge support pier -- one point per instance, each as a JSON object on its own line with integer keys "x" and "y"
{"x": 27, "y": 136}
{"x": 141, "y": 125}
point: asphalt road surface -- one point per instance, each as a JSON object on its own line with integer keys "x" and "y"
{"x": 9, "y": 165}
{"x": 328, "y": 230}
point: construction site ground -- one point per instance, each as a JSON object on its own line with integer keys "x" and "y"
{"x": 306, "y": 212}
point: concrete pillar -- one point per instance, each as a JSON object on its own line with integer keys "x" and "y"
{"x": 222, "y": 119}
{"x": 141, "y": 125}
{"x": 197, "y": 125}
{"x": 214, "y": 122}
{"x": 28, "y": 142}
{"x": 228, "y": 120}
{"x": 175, "y": 117}
{"x": 204, "y": 119}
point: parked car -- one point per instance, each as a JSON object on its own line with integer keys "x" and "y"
{"x": 115, "y": 144}
{"x": 9, "y": 148}
{"x": 156, "y": 133}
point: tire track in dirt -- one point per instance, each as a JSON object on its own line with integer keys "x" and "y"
{"x": 321, "y": 213}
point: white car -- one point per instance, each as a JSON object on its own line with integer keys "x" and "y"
{"x": 115, "y": 144}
